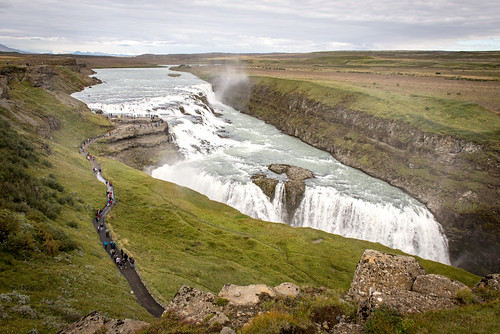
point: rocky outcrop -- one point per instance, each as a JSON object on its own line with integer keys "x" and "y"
{"x": 437, "y": 285}
{"x": 294, "y": 186}
{"x": 252, "y": 294}
{"x": 267, "y": 184}
{"x": 401, "y": 284}
{"x": 490, "y": 281}
{"x": 140, "y": 143}
{"x": 233, "y": 307}
{"x": 348, "y": 328}
{"x": 95, "y": 322}
{"x": 377, "y": 271}
{"x": 197, "y": 306}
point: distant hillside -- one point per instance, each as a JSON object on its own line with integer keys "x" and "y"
{"x": 4, "y": 48}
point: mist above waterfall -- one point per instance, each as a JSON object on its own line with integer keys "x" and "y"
{"x": 232, "y": 86}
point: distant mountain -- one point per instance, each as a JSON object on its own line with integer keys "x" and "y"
{"x": 4, "y": 48}
{"x": 79, "y": 53}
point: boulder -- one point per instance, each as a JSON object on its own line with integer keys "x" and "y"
{"x": 295, "y": 186}
{"x": 400, "y": 284}
{"x": 227, "y": 330}
{"x": 438, "y": 285}
{"x": 402, "y": 301}
{"x": 491, "y": 281}
{"x": 253, "y": 294}
{"x": 293, "y": 172}
{"x": 245, "y": 295}
{"x": 196, "y": 306}
{"x": 95, "y": 322}
{"x": 287, "y": 290}
{"x": 378, "y": 271}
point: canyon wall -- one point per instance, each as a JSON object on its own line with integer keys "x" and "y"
{"x": 457, "y": 180}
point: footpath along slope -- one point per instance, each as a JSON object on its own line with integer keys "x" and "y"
{"x": 139, "y": 289}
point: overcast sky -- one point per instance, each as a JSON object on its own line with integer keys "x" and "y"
{"x": 194, "y": 26}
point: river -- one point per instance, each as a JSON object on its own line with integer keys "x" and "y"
{"x": 222, "y": 148}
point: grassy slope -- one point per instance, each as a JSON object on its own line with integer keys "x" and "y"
{"x": 68, "y": 285}
{"x": 192, "y": 240}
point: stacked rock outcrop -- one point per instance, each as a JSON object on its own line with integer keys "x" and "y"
{"x": 401, "y": 284}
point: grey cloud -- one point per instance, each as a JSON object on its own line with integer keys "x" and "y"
{"x": 258, "y": 26}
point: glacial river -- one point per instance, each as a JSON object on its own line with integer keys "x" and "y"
{"x": 222, "y": 150}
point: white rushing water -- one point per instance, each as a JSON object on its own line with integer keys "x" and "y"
{"x": 222, "y": 150}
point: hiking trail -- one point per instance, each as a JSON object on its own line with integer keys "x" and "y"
{"x": 127, "y": 270}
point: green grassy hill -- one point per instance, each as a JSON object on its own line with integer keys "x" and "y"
{"x": 52, "y": 267}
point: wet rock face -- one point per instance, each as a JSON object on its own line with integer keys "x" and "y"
{"x": 267, "y": 184}
{"x": 401, "y": 284}
{"x": 294, "y": 187}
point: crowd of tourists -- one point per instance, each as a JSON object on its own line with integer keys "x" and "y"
{"x": 119, "y": 257}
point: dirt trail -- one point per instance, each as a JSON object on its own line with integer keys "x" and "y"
{"x": 127, "y": 270}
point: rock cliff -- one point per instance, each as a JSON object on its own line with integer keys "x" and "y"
{"x": 139, "y": 142}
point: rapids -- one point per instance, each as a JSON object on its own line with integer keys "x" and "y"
{"x": 222, "y": 148}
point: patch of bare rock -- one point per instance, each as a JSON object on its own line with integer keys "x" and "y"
{"x": 233, "y": 307}
{"x": 95, "y": 322}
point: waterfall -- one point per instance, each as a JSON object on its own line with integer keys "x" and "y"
{"x": 222, "y": 150}
{"x": 410, "y": 228}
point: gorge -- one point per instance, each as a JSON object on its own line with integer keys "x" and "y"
{"x": 221, "y": 151}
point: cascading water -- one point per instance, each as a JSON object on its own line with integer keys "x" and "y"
{"x": 223, "y": 149}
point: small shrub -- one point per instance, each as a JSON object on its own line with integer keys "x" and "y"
{"x": 72, "y": 224}
{"x": 466, "y": 297}
{"x": 384, "y": 320}
{"x": 276, "y": 322}
{"x": 25, "y": 311}
{"x": 487, "y": 294}
{"x": 46, "y": 163}
{"x": 172, "y": 324}
{"x": 221, "y": 301}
